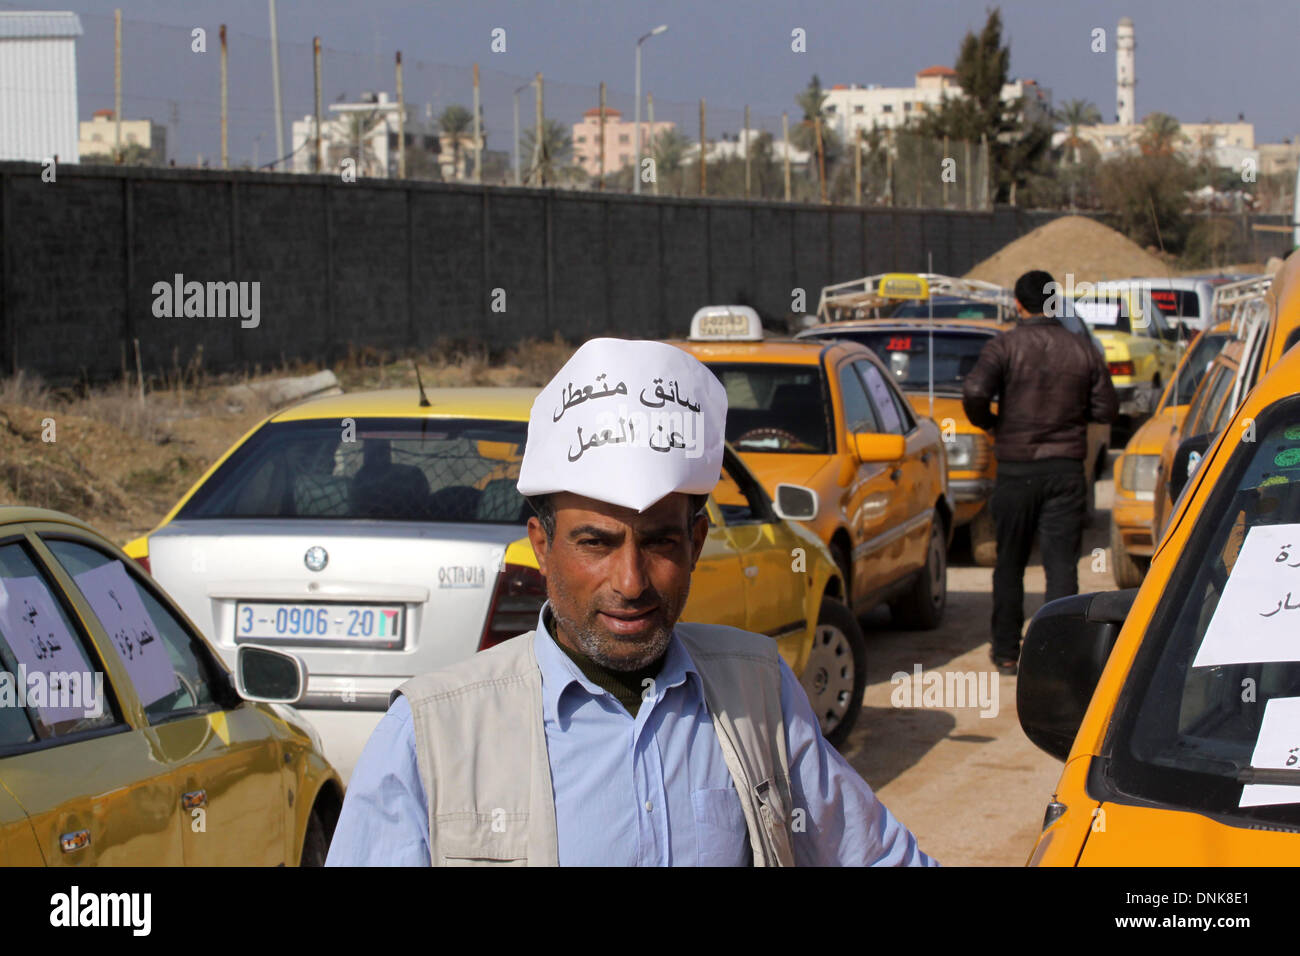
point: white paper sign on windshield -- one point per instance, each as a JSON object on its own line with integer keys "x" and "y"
{"x": 110, "y": 592}
{"x": 1258, "y": 616}
{"x": 1097, "y": 311}
{"x": 36, "y": 633}
{"x": 1276, "y": 748}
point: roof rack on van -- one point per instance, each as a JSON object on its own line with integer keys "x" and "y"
{"x": 862, "y": 298}
{"x": 1233, "y": 302}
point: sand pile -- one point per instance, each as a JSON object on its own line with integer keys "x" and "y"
{"x": 1076, "y": 244}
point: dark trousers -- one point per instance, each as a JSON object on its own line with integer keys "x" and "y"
{"x": 1053, "y": 505}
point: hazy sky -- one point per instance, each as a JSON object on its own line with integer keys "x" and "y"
{"x": 1196, "y": 59}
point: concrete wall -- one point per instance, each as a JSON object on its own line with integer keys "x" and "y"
{"x": 403, "y": 265}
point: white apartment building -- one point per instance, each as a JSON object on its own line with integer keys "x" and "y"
{"x": 733, "y": 146}
{"x": 855, "y": 107}
{"x": 374, "y": 122}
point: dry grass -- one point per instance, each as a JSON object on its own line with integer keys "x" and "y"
{"x": 120, "y": 463}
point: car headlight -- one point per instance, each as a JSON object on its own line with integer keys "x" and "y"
{"x": 967, "y": 452}
{"x": 1139, "y": 473}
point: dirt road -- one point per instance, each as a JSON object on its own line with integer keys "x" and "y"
{"x": 973, "y": 789}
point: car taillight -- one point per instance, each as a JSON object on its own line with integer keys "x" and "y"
{"x": 1120, "y": 368}
{"x": 143, "y": 561}
{"x": 516, "y": 602}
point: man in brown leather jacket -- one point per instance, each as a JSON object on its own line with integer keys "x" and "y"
{"x": 1049, "y": 383}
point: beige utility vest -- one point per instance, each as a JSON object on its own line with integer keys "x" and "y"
{"x": 481, "y": 747}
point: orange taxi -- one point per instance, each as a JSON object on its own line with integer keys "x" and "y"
{"x": 829, "y": 417}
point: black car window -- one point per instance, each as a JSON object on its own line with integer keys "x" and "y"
{"x": 50, "y": 681}
{"x": 171, "y": 671}
{"x": 888, "y": 413}
{"x": 859, "y": 416}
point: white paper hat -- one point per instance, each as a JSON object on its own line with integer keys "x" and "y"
{"x": 626, "y": 422}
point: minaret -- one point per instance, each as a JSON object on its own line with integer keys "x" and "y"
{"x": 1125, "y": 73}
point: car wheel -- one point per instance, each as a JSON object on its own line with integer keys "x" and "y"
{"x": 984, "y": 538}
{"x": 315, "y": 847}
{"x": 835, "y": 676}
{"x": 922, "y": 607}
{"x": 1127, "y": 571}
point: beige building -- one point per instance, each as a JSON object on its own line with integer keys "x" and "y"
{"x": 1231, "y": 144}
{"x": 620, "y": 140}
{"x": 853, "y": 107}
{"x": 1281, "y": 157}
{"x": 96, "y": 139}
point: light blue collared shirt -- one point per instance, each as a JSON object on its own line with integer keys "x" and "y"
{"x": 646, "y": 791}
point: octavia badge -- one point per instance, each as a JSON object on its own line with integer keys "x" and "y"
{"x": 316, "y": 558}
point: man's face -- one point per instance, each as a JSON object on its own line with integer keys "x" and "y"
{"x": 618, "y": 579}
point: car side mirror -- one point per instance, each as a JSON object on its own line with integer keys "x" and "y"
{"x": 795, "y": 502}
{"x": 1186, "y": 460}
{"x": 876, "y": 446}
{"x": 1065, "y": 651}
{"x": 269, "y": 676}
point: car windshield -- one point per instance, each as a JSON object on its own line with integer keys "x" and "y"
{"x": 1177, "y": 303}
{"x": 1214, "y": 694}
{"x": 950, "y": 309}
{"x": 775, "y": 408}
{"x": 398, "y": 469}
{"x": 905, "y": 353}
{"x": 1195, "y": 366}
{"x": 1103, "y": 313}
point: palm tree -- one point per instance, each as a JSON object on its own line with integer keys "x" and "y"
{"x": 1072, "y": 115}
{"x": 552, "y": 162}
{"x": 455, "y": 122}
{"x": 358, "y": 129}
{"x": 1160, "y": 135}
{"x": 805, "y": 136}
{"x": 669, "y": 151}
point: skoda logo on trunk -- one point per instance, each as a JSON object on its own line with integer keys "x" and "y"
{"x": 316, "y": 558}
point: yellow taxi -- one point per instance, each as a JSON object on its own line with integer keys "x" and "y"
{"x": 828, "y": 416}
{"x": 930, "y": 336}
{"x": 381, "y": 535}
{"x": 1174, "y": 706}
{"x": 1132, "y": 513}
{"x": 124, "y": 740}
{"x": 1263, "y": 315}
{"x": 1141, "y": 347}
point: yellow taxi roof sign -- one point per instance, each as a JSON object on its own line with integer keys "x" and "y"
{"x": 726, "y": 323}
{"x": 903, "y": 285}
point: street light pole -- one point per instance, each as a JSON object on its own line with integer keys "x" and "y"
{"x": 636, "y": 171}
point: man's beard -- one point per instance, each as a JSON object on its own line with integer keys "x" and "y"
{"x": 603, "y": 647}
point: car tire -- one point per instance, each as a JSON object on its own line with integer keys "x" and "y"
{"x": 921, "y": 608}
{"x": 315, "y": 845}
{"x": 984, "y": 538}
{"x": 835, "y": 677}
{"x": 1127, "y": 571}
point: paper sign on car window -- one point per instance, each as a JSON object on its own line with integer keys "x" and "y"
{"x": 1276, "y": 748}
{"x": 1258, "y": 615}
{"x": 40, "y": 640}
{"x": 133, "y": 632}
{"x": 889, "y": 419}
{"x": 1097, "y": 312}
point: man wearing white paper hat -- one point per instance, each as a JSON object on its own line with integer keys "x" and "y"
{"x": 612, "y": 734}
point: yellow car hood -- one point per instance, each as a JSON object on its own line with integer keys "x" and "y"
{"x": 1151, "y": 836}
{"x": 945, "y": 406}
{"x": 773, "y": 469}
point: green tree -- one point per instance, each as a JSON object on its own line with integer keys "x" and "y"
{"x": 1147, "y": 196}
{"x": 1160, "y": 136}
{"x": 669, "y": 148}
{"x": 455, "y": 123}
{"x": 1018, "y": 147}
{"x": 1072, "y": 115}
{"x": 552, "y": 164}
{"x": 812, "y": 101}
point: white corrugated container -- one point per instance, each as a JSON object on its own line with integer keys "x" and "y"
{"x": 38, "y": 86}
